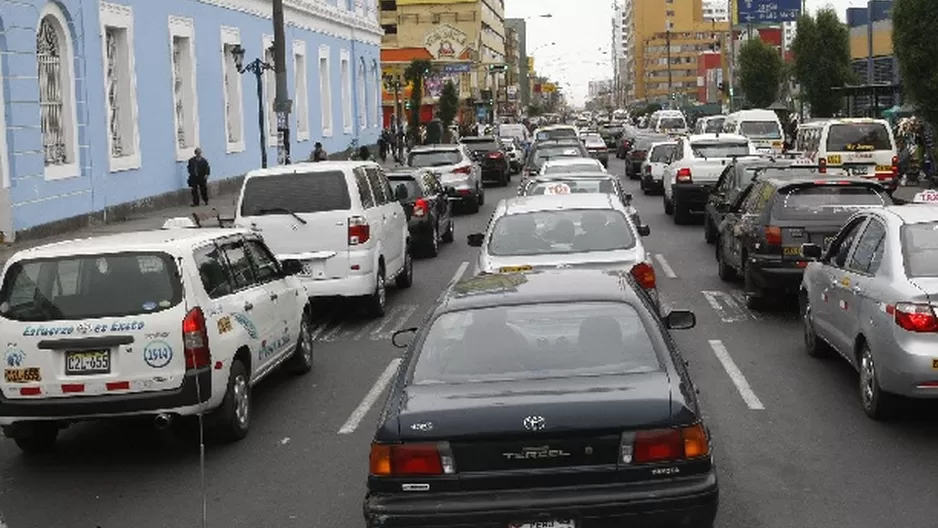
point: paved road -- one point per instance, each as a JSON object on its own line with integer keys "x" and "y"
{"x": 794, "y": 448}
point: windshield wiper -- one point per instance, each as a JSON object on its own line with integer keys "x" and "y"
{"x": 282, "y": 210}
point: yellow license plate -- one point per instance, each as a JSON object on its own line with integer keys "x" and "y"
{"x": 777, "y": 144}
{"x": 834, "y": 160}
{"x": 883, "y": 168}
{"x": 934, "y": 364}
{"x": 514, "y": 269}
{"x": 22, "y": 375}
{"x": 792, "y": 250}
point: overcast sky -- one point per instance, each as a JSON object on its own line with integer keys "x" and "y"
{"x": 582, "y": 33}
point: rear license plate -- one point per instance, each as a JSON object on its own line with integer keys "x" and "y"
{"x": 792, "y": 250}
{"x": 514, "y": 269}
{"x": 859, "y": 171}
{"x": 22, "y": 375}
{"x": 314, "y": 268}
{"x": 84, "y": 362}
{"x": 884, "y": 168}
{"x": 544, "y": 524}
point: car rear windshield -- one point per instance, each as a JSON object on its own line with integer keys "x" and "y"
{"x": 719, "y": 149}
{"x": 571, "y": 168}
{"x": 543, "y": 154}
{"x": 823, "y": 202}
{"x": 594, "y": 141}
{"x": 662, "y": 153}
{"x": 410, "y": 185}
{"x": 535, "y": 341}
{"x": 89, "y": 287}
{"x": 644, "y": 143}
{"x": 486, "y": 146}
{"x": 572, "y": 186}
{"x": 714, "y": 125}
{"x": 314, "y": 192}
{"x": 858, "y": 137}
{"x": 557, "y": 133}
{"x": 561, "y": 232}
{"x": 672, "y": 123}
{"x": 760, "y": 130}
{"x": 434, "y": 158}
{"x": 920, "y": 247}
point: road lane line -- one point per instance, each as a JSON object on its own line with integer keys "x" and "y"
{"x": 740, "y": 297}
{"x": 460, "y": 271}
{"x": 333, "y": 334}
{"x": 402, "y": 318}
{"x": 736, "y": 375}
{"x": 725, "y": 306}
{"x": 320, "y": 328}
{"x": 369, "y": 400}
{"x": 665, "y": 267}
{"x": 389, "y": 316}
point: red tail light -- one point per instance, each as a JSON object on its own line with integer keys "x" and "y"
{"x": 644, "y": 275}
{"x": 195, "y": 340}
{"x": 683, "y": 175}
{"x": 895, "y": 166}
{"x": 664, "y": 445}
{"x": 648, "y": 169}
{"x": 401, "y": 460}
{"x": 496, "y": 155}
{"x": 421, "y": 208}
{"x": 773, "y": 235}
{"x": 914, "y": 317}
{"x": 463, "y": 170}
{"x": 822, "y": 165}
{"x": 358, "y": 230}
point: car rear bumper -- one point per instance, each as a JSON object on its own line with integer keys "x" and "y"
{"x": 688, "y": 501}
{"x": 349, "y": 286}
{"x": 652, "y": 183}
{"x": 420, "y": 229}
{"x": 776, "y": 274}
{"x": 691, "y": 195}
{"x": 493, "y": 173}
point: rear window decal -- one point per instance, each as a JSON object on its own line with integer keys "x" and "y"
{"x": 157, "y": 354}
{"x": 224, "y": 325}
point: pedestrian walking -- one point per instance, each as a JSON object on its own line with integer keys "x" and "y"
{"x": 383, "y": 145}
{"x": 199, "y": 171}
{"x": 319, "y": 153}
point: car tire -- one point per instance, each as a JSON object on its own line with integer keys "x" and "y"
{"x": 813, "y": 345}
{"x": 302, "y": 360}
{"x": 450, "y": 233}
{"x": 877, "y": 403}
{"x": 432, "y": 248}
{"x": 724, "y": 270}
{"x": 642, "y": 186}
{"x": 668, "y": 206}
{"x": 36, "y": 438}
{"x": 755, "y": 296}
{"x": 405, "y": 279}
{"x": 235, "y": 410}
{"x": 681, "y": 214}
{"x": 376, "y": 303}
{"x": 505, "y": 179}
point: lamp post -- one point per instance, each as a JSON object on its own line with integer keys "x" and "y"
{"x": 392, "y": 82}
{"x": 257, "y": 67}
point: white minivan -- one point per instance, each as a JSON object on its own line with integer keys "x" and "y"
{"x": 340, "y": 218}
{"x": 860, "y": 146}
{"x": 762, "y": 127}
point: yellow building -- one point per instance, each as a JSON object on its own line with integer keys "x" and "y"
{"x": 650, "y": 28}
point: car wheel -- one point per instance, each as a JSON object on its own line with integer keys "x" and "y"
{"x": 235, "y": 419}
{"x": 433, "y": 244}
{"x": 724, "y": 270}
{"x": 642, "y": 186}
{"x": 36, "y": 438}
{"x": 710, "y": 230}
{"x": 877, "y": 403}
{"x": 450, "y": 233}
{"x": 376, "y": 303}
{"x": 668, "y": 206}
{"x": 481, "y": 196}
{"x": 405, "y": 279}
{"x": 813, "y": 345}
{"x": 755, "y": 296}
{"x": 302, "y": 360}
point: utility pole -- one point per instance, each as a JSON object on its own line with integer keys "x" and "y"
{"x": 282, "y": 102}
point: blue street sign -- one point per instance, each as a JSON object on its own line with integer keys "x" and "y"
{"x": 456, "y": 68}
{"x": 767, "y": 11}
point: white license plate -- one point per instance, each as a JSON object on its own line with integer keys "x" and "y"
{"x": 544, "y": 524}
{"x": 85, "y": 362}
{"x": 314, "y": 268}
{"x": 859, "y": 171}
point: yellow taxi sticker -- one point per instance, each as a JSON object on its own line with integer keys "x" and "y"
{"x": 22, "y": 375}
{"x": 883, "y": 168}
{"x": 776, "y": 144}
{"x": 934, "y": 364}
{"x": 224, "y": 325}
{"x": 514, "y": 269}
{"x": 792, "y": 250}
{"x": 834, "y": 159}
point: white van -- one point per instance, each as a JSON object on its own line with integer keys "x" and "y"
{"x": 762, "y": 127}
{"x": 516, "y": 131}
{"x": 668, "y": 122}
{"x": 862, "y": 147}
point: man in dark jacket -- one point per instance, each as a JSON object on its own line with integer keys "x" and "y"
{"x": 434, "y": 131}
{"x": 199, "y": 171}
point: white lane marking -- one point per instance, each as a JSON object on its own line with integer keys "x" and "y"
{"x": 369, "y": 400}
{"x": 460, "y": 271}
{"x": 365, "y": 330}
{"x": 740, "y": 297}
{"x": 320, "y": 328}
{"x": 665, "y": 267}
{"x": 736, "y": 375}
{"x": 333, "y": 333}
{"x": 402, "y": 318}
{"x": 724, "y": 308}
{"x": 385, "y": 321}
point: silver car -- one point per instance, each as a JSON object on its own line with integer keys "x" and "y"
{"x": 871, "y": 298}
{"x": 563, "y": 231}
{"x": 457, "y": 172}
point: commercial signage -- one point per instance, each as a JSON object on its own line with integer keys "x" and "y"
{"x": 548, "y": 87}
{"x": 460, "y": 67}
{"x": 766, "y": 11}
{"x": 530, "y": 64}
{"x": 445, "y": 42}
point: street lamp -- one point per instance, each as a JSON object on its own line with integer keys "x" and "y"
{"x": 257, "y": 67}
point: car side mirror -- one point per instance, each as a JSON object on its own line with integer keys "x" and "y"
{"x": 475, "y": 239}
{"x": 644, "y": 230}
{"x": 291, "y": 267}
{"x": 405, "y": 331}
{"x": 680, "y": 320}
{"x": 811, "y": 251}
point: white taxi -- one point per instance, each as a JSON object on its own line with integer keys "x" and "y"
{"x": 163, "y": 323}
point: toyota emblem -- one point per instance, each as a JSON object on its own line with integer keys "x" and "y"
{"x": 534, "y": 423}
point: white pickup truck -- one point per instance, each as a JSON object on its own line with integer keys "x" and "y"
{"x": 694, "y": 169}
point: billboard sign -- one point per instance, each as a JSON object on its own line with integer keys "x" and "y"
{"x": 445, "y": 42}
{"x": 767, "y": 11}
{"x": 460, "y": 67}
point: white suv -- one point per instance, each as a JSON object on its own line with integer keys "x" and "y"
{"x": 340, "y": 219}
{"x": 163, "y": 323}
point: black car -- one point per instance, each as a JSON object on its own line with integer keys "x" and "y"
{"x": 611, "y": 135}
{"x": 491, "y": 156}
{"x": 761, "y": 235}
{"x": 637, "y": 152}
{"x": 427, "y": 205}
{"x": 626, "y": 139}
{"x": 543, "y": 396}
{"x": 552, "y": 149}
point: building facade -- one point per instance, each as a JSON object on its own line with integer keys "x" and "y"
{"x": 520, "y": 27}
{"x": 105, "y": 101}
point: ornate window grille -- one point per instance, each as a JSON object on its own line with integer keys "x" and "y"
{"x": 51, "y": 94}
{"x": 179, "y": 92}
{"x": 114, "y": 92}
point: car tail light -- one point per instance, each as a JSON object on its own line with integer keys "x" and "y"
{"x": 683, "y": 175}
{"x": 421, "y": 208}
{"x": 358, "y": 230}
{"x": 914, "y": 317}
{"x": 895, "y": 166}
{"x": 648, "y": 170}
{"x": 463, "y": 170}
{"x": 496, "y": 155}
{"x": 822, "y": 165}
{"x": 664, "y": 445}
{"x": 195, "y": 340}
{"x": 401, "y": 460}
{"x": 644, "y": 275}
{"x": 773, "y": 235}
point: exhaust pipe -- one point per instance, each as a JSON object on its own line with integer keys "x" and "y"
{"x": 163, "y": 421}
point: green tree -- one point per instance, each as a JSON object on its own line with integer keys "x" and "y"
{"x": 449, "y": 106}
{"x": 415, "y": 73}
{"x": 760, "y": 72}
{"x": 913, "y": 22}
{"x": 822, "y": 60}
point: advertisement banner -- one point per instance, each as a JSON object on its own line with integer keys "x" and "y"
{"x": 766, "y": 11}
{"x": 445, "y": 42}
{"x": 433, "y": 86}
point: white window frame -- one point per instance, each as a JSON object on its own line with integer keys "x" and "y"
{"x": 345, "y": 86}
{"x": 379, "y": 88}
{"x": 231, "y": 36}
{"x": 69, "y": 106}
{"x": 269, "y": 81}
{"x": 325, "y": 92}
{"x": 121, "y": 17}
{"x": 362, "y": 97}
{"x": 185, "y": 28}
{"x": 301, "y": 90}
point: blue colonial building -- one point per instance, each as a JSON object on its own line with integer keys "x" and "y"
{"x": 104, "y": 101}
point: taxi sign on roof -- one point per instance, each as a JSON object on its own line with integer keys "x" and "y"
{"x": 929, "y": 196}
{"x": 557, "y": 188}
